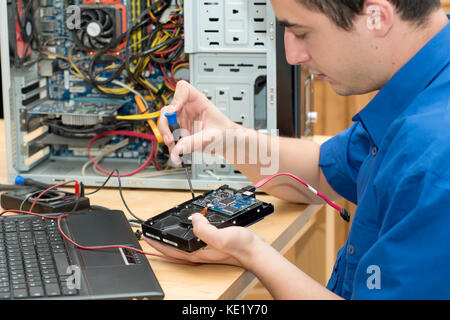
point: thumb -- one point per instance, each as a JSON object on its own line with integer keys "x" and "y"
{"x": 203, "y": 229}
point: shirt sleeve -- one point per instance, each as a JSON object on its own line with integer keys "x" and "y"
{"x": 341, "y": 158}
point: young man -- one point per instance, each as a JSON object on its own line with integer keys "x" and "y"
{"x": 392, "y": 163}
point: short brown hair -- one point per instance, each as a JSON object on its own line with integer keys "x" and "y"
{"x": 343, "y": 12}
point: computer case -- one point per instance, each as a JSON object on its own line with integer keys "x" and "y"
{"x": 233, "y": 51}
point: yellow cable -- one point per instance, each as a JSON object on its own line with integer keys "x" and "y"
{"x": 151, "y": 123}
{"x": 142, "y": 116}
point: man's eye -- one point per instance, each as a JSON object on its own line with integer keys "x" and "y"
{"x": 301, "y": 36}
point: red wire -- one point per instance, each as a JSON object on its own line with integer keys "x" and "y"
{"x": 60, "y": 217}
{"x": 48, "y": 189}
{"x": 123, "y": 133}
{"x": 259, "y": 184}
{"x": 171, "y": 49}
{"x": 116, "y": 246}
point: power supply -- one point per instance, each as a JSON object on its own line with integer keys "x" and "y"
{"x": 84, "y": 81}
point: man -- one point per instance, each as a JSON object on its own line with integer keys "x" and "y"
{"x": 392, "y": 163}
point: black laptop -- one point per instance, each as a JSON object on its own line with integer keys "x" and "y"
{"x": 37, "y": 263}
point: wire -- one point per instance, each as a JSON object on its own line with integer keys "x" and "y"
{"x": 64, "y": 215}
{"x": 51, "y": 188}
{"x": 107, "y": 150}
{"x": 58, "y": 218}
{"x": 129, "y": 134}
{"x": 343, "y": 212}
{"x": 123, "y": 199}
{"x": 120, "y": 192}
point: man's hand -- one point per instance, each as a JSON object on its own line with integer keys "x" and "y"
{"x": 231, "y": 245}
{"x": 199, "y": 119}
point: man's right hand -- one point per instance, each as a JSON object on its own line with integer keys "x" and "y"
{"x": 200, "y": 120}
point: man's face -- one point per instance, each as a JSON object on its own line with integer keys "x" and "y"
{"x": 345, "y": 59}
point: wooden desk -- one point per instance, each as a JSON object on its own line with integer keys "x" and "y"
{"x": 207, "y": 282}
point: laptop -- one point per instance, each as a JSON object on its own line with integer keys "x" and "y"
{"x": 36, "y": 262}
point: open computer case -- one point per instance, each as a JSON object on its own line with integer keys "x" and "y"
{"x": 75, "y": 70}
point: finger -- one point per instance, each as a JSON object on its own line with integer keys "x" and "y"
{"x": 164, "y": 125}
{"x": 205, "y": 231}
{"x": 198, "y": 142}
{"x": 181, "y": 95}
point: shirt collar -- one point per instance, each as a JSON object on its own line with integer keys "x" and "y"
{"x": 416, "y": 75}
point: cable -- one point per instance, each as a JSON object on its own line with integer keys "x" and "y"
{"x": 343, "y": 212}
{"x": 63, "y": 216}
{"x": 106, "y": 151}
{"x": 54, "y": 187}
{"x": 124, "y": 133}
{"x": 28, "y": 197}
{"x": 123, "y": 199}
{"x": 120, "y": 192}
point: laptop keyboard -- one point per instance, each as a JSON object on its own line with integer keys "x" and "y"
{"x": 33, "y": 259}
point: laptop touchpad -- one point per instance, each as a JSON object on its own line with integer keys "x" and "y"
{"x": 104, "y": 257}
{"x": 101, "y": 229}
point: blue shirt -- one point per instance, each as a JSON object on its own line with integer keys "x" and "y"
{"x": 393, "y": 162}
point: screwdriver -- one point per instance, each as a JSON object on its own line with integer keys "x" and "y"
{"x": 173, "y": 125}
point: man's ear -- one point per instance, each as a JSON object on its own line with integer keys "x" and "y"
{"x": 380, "y": 15}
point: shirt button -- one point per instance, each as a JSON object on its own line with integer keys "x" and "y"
{"x": 350, "y": 249}
{"x": 374, "y": 151}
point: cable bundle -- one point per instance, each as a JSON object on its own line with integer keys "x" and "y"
{"x": 150, "y": 48}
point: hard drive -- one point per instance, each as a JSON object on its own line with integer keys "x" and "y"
{"x": 223, "y": 207}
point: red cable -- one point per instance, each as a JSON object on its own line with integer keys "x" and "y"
{"x": 60, "y": 217}
{"x": 259, "y": 184}
{"x": 51, "y": 188}
{"x": 169, "y": 50}
{"x": 128, "y": 134}
{"x": 116, "y": 246}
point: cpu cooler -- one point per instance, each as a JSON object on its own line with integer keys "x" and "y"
{"x": 100, "y": 26}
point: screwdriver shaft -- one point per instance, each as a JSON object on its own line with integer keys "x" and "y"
{"x": 188, "y": 179}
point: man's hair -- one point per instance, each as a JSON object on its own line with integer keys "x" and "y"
{"x": 343, "y": 12}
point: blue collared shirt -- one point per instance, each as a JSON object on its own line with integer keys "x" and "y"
{"x": 393, "y": 162}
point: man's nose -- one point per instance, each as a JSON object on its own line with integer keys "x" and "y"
{"x": 296, "y": 52}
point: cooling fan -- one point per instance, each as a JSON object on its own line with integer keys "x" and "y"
{"x": 22, "y": 35}
{"x": 100, "y": 27}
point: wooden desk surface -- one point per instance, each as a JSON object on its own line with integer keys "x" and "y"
{"x": 207, "y": 282}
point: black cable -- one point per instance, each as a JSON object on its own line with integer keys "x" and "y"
{"x": 120, "y": 192}
{"x": 94, "y": 130}
{"x": 123, "y": 199}
{"x": 102, "y": 186}
{"x": 99, "y": 53}
{"x": 156, "y": 48}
